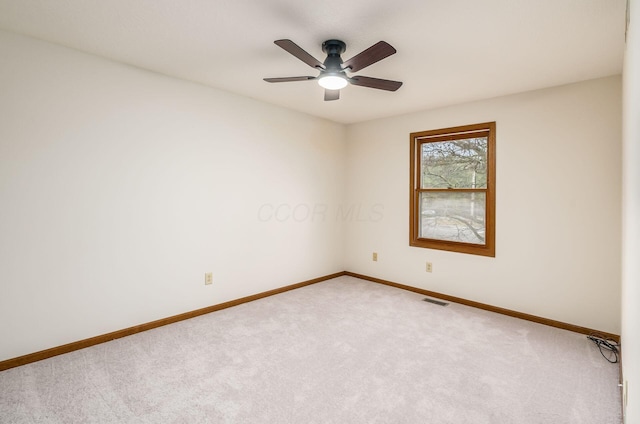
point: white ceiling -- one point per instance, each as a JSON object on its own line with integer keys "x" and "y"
{"x": 449, "y": 51}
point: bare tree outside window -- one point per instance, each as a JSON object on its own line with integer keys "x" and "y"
{"x": 452, "y": 194}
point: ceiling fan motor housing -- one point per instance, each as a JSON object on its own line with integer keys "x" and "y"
{"x": 333, "y": 49}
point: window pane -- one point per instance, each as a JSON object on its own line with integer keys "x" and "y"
{"x": 454, "y": 164}
{"x": 453, "y": 217}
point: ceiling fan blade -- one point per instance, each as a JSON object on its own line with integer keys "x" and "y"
{"x": 289, "y": 79}
{"x": 380, "y": 84}
{"x": 331, "y": 95}
{"x": 298, "y": 52}
{"x": 373, "y": 54}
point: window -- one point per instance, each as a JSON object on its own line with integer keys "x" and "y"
{"x": 452, "y": 204}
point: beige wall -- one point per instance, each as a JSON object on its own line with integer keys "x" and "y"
{"x": 631, "y": 218}
{"x": 558, "y": 204}
{"x": 120, "y": 188}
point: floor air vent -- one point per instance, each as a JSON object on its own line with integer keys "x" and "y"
{"x": 435, "y": 302}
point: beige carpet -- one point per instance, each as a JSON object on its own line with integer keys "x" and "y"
{"x": 342, "y": 351}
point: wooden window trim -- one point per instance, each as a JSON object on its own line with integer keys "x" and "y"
{"x": 445, "y": 134}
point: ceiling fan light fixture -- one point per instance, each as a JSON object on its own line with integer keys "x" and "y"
{"x": 332, "y": 82}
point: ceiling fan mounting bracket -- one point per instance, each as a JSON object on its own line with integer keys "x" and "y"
{"x": 332, "y": 47}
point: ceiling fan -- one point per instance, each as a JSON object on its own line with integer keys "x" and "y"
{"x": 333, "y": 71}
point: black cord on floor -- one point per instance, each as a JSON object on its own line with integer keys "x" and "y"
{"x": 606, "y": 345}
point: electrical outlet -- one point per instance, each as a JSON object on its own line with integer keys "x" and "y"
{"x": 208, "y": 278}
{"x": 375, "y": 256}
{"x": 429, "y": 267}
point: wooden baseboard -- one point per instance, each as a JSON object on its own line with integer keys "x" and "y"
{"x": 70, "y": 347}
{"x": 509, "y": 312}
